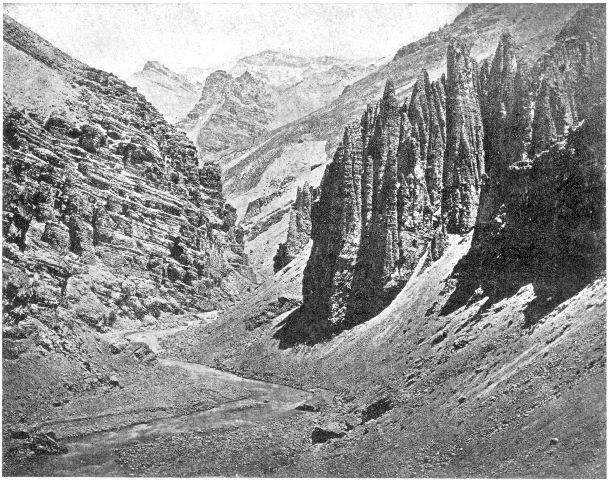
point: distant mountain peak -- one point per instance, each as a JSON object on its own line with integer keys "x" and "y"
{"x": 172, "y": 94}
{"x": 154, "y": 65}
{"x": 274, "y": 57}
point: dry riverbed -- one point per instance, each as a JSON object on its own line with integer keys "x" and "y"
{"x": 186, "y": 420}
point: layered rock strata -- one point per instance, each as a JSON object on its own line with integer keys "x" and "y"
{"x": 107, "y": 216}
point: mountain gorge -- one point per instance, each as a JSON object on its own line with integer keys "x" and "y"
{"x": 237, "y": 112}
{"x": 430, "y": 301}
{"x": 108, "y": 223}
{"x": 447, "y": 294}
{"x": 300, "y": 147}
{"x": 405, "y": 177}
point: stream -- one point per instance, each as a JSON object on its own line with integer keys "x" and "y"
{"x": 93, "y": 454}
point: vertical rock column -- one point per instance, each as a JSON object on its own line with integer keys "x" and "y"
{"x": 336, "y": 234}
{"x": 426, "y": 113}
{"x": 379, "y": 250}
{"x": 506, "y": 110}
{"x": 299, "y": 229}
{"x": 464, "y": 155}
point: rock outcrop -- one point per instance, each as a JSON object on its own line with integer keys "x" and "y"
{"x": 299, "y": 230}
{"x": 232, "y": 113}
{"x": 315, "y": 136}
{"x": 107, "y": 215}
{"x": 541, "y": 218}
{"x": 477, "y": 156}
{"x": 375, "y": 219}
{"x": 238, "y": 107}
{"x": 464, "y": 155}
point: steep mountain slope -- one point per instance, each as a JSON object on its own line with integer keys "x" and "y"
{"x": 230, "y": 115}
{"x": 533, "y": 28}
{"x": 261, "y": 92}
{"x": 303, "y": 84}
{"x": 234, "y": 115}
{"x": 490, "y": 361}
{"x": 108, "y": 223}
{"x": 462, "y": 386}
{"x": 171, "y": 93}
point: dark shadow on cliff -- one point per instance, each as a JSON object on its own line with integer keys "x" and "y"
{"x": 299, "y": 329}
{"x": 549, "y": 230}
{"x": 550, "y": 290}
{"x": 302, "y": 328}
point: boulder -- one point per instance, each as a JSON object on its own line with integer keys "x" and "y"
{"x": 46, "y": 444}
{"x": 57, "y": 236}
{"x": 327, "y": 432}
{"x": 92, "y": 137}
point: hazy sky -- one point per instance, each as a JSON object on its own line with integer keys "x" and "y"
{"x": 121, "y": 37}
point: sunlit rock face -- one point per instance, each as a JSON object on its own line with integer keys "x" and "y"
{"x": 103, "y": 188}
{"x": 464, "y": 155}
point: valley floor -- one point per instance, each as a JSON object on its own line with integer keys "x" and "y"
{"x": 215, "y": 417}
{"x": 462, "y": 401}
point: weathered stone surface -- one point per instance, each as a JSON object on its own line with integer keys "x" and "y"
{"x": 375, "y": 220}
{"x": 336, "y": 233}
{"x": 464, "y": 156}
{"x": 92, "y": 137}
{"x": 57, "y": 236}
{"x": 426, "y": 113}
{"x": 379, "y": 214}
{"x": 114, "y": 185}
{"x": 541, "y": 218}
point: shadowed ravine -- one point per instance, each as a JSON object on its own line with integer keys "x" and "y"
{"x": 95, "y": 454}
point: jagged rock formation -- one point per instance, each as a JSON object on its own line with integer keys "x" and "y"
{"x": 299, "y": 230}
{"x": 427, "y": 116}
{"x": 230, "y": 115}
{"x": 377, "y": 215}
{"x": 464, "y": 155}
{"x": 255, "y": 173}
{"x": 375, "y": 218}
{"x": 172, "y": 94}
{"x": 541, "y": 216}
{"x": 107, "y": 216}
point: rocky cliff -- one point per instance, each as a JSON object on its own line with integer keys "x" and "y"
{"x": 379, "y": 208}
{"x": 541, "y": 218}
{"x": 259, "y": 173}
{"x": 464, "y": 154}
{"x": 230, "y": 115}
{"x": 375, "y": 219}
{"x": 107, "y": 217}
